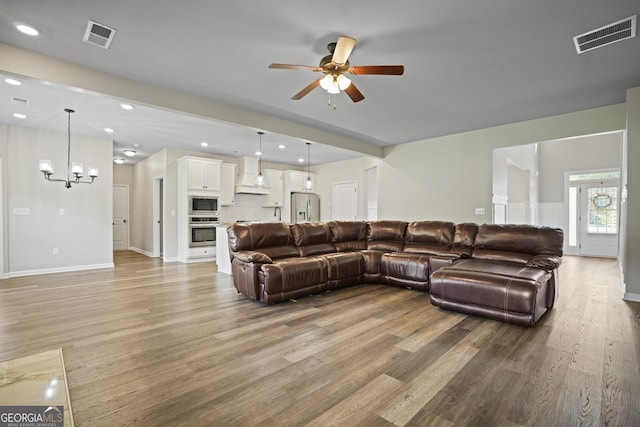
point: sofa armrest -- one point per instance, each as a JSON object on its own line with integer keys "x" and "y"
{"x": 253, "y": 256}
{"x": 436, "y": 262}
{"x": 545, "y": 262}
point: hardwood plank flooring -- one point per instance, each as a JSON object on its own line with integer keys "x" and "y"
{"x": 150, "y": 344}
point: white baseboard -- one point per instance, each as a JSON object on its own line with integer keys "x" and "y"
{"x": 143, "y": 252}
{"x": 628, "y": 296}
{"x": 58, "y": 270}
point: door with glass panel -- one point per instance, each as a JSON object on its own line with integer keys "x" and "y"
{"x": 593, "y": 217}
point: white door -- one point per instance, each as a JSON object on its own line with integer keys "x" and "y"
{"x": 599, "y": 218}
{"x": 345, "y": 200}
{"x": 120, "y": 217}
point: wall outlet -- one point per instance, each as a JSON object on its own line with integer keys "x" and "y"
{"x": 55, "y": 251}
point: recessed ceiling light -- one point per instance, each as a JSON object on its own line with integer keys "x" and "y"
{"x": 282, "y": 146}
{"x": 12, "y": 82}
{"x": 28, "y": 30}
{"x": 300, "y": 160}
{"x": 118, "y": 160}
{"x": 129, "y": 153}
{"x": 108, "y": 130}
{"x": 204, "y": 144}
{"x": 127, "y": 106}
{"x": 19, "y": 116}
{"x": 258, "y": 153}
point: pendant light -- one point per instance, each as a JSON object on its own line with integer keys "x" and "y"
{"x": 308, "y": 184}
{"x": 260, "y": 180}
{"x": 75, "y": 168}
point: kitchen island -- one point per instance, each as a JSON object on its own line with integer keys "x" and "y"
{"x": 223, "y": 260}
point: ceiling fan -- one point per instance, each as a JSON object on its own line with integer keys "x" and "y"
{"x": 335, "y": 65}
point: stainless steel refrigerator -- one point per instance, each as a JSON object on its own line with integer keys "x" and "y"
{"x": 305, "y": 207}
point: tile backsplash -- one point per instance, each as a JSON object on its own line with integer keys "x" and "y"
{"x": 247, "y": 207}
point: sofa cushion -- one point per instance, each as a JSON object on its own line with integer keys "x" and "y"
{"x": 464, "y": 238}
{"x": 516, "y": 242}
{"x": 430, "y": 237}
{"x": 344, "y": 269}
{"x": 405, "y": 269}
{"x": 244, "y": 236}
{"x": 287, "y": 276}
{"x": 386, "y": 236}
{"x": 495, "y": 289}
{"x": 312, "y": 238}
{"x": 348, "y": 235}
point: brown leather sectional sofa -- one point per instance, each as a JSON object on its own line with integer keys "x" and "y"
{"x": 503, "y": 272}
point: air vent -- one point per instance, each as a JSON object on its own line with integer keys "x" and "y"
{"x": 99, "y": 35}
{"x": 19, "y": 101}
{"x": 612, "y": 33}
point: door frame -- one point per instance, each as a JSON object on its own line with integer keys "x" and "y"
{"x": 158, "y": 225}
{"x": 127, "y": 215}
{"x": 570, "y": 250}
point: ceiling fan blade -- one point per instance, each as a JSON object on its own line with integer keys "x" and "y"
{"x": 343, "y": 49}
{"x": 311, "y": 86}
{"x": 389, "y": 70}
{"x": 295, "y": 67}
{"x": 354, "y": 93}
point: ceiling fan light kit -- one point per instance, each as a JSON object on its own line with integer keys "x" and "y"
{"x": 334, "y": 66}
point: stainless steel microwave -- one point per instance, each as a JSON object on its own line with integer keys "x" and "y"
{"x": 203, "y": 205}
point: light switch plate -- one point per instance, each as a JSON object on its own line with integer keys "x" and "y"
{"x": 479, "y": 211}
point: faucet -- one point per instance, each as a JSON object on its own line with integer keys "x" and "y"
{"x": 277, "y": 211}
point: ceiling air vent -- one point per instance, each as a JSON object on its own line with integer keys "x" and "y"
{"x": 615, "y": 32}
{"x": 99, "y": 34}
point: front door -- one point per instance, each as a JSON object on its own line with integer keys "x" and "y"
{"x": 120, "y": 217}
{"x": 593, "y": 218}
{"x": 599, "y": 224}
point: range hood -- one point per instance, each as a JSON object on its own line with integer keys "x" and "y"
{"x": 247, "y": 172}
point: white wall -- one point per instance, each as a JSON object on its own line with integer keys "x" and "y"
{"x": 76, "y": 221}
{"x": 601, "y": 151}
{"x": 631, "y": 238}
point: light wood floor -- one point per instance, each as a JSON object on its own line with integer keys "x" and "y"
{"x": 153, "y": 344}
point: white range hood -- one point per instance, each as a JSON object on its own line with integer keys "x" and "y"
{"x": 247, "y": 172}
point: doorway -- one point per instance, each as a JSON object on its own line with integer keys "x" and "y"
{"x": 345, "y": 200}
{"x": 120, "y": 217}
{"x": 158, "y": 220}
{"x": 593, "y": 215}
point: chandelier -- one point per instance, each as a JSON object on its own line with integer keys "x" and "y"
{"x": 75, "y": 168}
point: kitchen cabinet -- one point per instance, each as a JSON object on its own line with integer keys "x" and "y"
{"x": 203, "y": 174}
{"x": 227, "y": 183}
{"x": 275, "y": 197}
{"x": 202, "y": 252}
{"x": 294, "y": 180}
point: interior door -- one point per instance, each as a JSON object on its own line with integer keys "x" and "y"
{"x": 345, "y": 200}
{"x": 599, "y": 218}
{"x": 120, "y": 217}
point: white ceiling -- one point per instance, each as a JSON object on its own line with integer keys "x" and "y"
{"x": 468, "y": 65}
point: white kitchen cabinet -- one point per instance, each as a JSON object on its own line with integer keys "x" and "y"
{"x": 227, "y": 183}
{"x": 203, "y": 174}
{"x": 202, "y": 252}
{"x": 294, "y": 180}
{"x": 275, "y": 198}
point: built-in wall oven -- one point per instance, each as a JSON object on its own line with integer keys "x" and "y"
{"x": 202, "y": 230}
